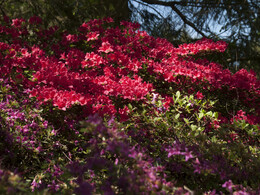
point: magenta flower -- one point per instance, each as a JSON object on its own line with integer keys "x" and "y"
{"x": 228, "y": 185}
{"x": 106, "y": 47}
{"x": 199, "y": 95}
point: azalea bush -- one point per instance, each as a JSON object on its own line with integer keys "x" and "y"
{"x": 112, "y": 110}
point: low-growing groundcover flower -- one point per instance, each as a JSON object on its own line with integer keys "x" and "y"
{"x": 112, "y": 110}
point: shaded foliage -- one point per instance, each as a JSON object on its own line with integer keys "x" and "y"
{"x": 67, "y": 14}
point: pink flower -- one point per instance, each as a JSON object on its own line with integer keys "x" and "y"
{"x": 228, "y": 185}
{"x": 106, "y": 47}
{"x": 199, "y": 95}
{"x": 17, "y": 22}
{"x": 92, "y": 59}
{"x": 92, "y": 36}
{"x": 71, "y": 38}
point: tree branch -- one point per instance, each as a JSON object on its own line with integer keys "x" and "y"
{"x": 186, "y": 21}
{"x": 150, "y": 7}
{"x": 168, "y": 3}
{"x": 176, "y": 10}
{"x": 201, "y": 4}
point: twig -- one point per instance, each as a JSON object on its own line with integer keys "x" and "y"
{"x": 66, "y": 156}
{"x": 174, "y": 8}
{"x": 150, "y": 7}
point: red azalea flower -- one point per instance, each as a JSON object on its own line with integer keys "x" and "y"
{"x": 199, "y": 95}
{"x": 92, "y": 36}
{"x": 106, "y": 47}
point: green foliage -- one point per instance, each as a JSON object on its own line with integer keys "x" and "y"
{"x": 191, "y": 121}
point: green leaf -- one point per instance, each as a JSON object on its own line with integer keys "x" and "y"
{"x": 201, "y": 115}
{"x": 178, "y": 94}
{"x": 144, "y": 112}
{"x": 130, "y": 107}
{"x": 194, "y": 127}
{"x": 186, "y": 121}
{"x": 210, "y": 113}
{"x": 215, "y": 115}
{"x": 214, "y": 139}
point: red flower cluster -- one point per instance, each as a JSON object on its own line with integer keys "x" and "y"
{"x": 201, "y": 46}
{"x": 109, "y": 64}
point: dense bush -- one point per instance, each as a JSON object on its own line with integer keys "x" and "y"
{"x": 112, "y": 110}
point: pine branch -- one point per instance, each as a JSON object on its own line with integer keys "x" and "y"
{"x": 176, "y": 10}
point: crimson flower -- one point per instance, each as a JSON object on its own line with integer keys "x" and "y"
{"x": 106, "y": 47}
{"x": 199, "y": 95}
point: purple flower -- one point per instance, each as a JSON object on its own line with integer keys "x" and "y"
{"x": 53, "y": 186}
{"x": 35, "y": 184}
{"x": 45, "y": 124}
{"x": 228, "y": 185}
{"x": 188, "y": 155}
{"x": 176, "y": 150}
{"x": 116, "y": 161}
{"x": 57, "y": 171}
{"x": 173, "y": 151}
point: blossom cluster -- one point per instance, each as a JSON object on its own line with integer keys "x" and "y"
{"x": 113, "y": 65}
{"x": 111, "y": 110}
{"x": 201, "y": 46}
{"x": 27, "y": 125}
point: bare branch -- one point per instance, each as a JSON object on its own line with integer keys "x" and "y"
{"x": 186, "y": 21}
{"x": 168, "y": 3}
{"x": 149, "y": 7}
{"x": 200, "y": 4}
{"x": 174, "y": 8}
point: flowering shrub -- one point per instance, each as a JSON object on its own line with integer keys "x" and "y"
{"x": 112, "y": 110}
